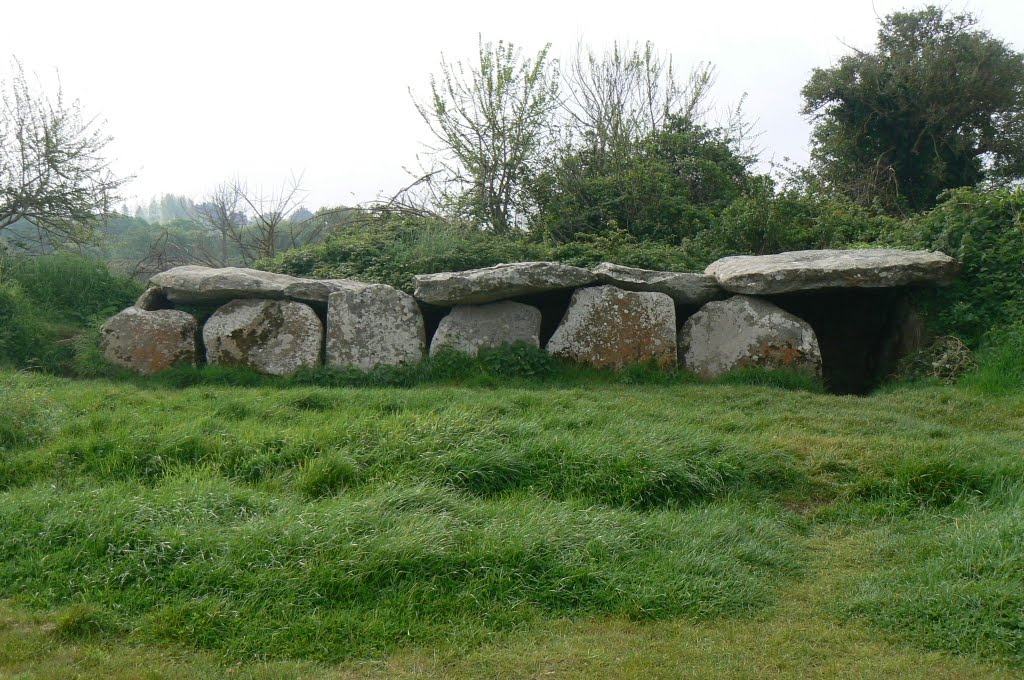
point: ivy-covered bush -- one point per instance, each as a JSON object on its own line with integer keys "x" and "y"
{"x": 766, "y": 221}
{"x": 984, "y": 230}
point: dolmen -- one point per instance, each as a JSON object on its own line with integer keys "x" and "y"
{"x": 844, "y": 315}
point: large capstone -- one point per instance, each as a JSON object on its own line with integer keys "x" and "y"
{"x": 374, "y": 326}
{"x": 745, "y": 331}
{"x": 477, "y": 286}
{"x": 194, "y": 284}
{"x": 807, "y": 270}
{"x": 149, "y": 341}
{"x": 317, "y": 291}
{"x": 276, "y": 337}
{"x": 470, "y": 328}
{"x": 685, "y": 288}
{"x": 609, "y": 327}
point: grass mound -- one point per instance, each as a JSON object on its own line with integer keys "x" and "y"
{"x": 952, "y": 582}
{"x": 324, "y": 524}
{"x": 200, "y": 560}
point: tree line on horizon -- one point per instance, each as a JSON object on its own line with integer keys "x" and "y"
{"x": 616, "y": 142}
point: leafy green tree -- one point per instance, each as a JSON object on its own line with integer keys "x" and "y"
{"x": 668, "y": 186}
{"x": 490, "y": 121}
{"x": 634, "y": 153}
{"x": 938, "y": 104}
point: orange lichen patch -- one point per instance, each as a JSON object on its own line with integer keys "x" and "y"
{"x": 149, "y": 342}
{"x": 159, "y": 350}
{"x": 611, "y": 328}
{"x": 771, "y": 355}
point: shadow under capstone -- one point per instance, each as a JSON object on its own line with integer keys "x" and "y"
{"x": 862, "y": 333}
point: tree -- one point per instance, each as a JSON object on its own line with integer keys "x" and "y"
{"x": 221, "y": 214}
{"x": 938, "y": 104}
{"x": 490, "y": 120}
{"x": 669, "y": 186}
{"x": 615, "y": 100}
{"x": 635, "y": 153}
{"x": 53, "y": 174}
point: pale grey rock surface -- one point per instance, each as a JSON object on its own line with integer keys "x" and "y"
{"x": 374, "y": 326}
{"x": 609, "y": 327}
{"x": 685, "y": 288}
{"x": 470, "y": 328}
{"x": 151, "y": 300}
{"x": 318, "y": 290}
{"x": 805, "y": 270}
{"x": 192, "y": 284}
{"x": 745, "y": 331}
{"x": 503, "y": 281}
{"x": 276, "y": 337}
{"x": 148, "y": 342}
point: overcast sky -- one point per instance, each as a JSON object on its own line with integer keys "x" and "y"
{"x": 195, "y": 93}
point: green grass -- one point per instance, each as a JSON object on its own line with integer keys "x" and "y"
{"x": 618, "y": 525}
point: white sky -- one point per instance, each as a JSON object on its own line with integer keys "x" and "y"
{"x": 196, "y": 93}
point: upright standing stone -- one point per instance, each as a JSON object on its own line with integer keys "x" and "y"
{"x": 276, "y": 337}
{"x": 611, "y": 328}
{"x": 745, "y": 331}
{"x": 374, "y": 326}
{"x": 149, "y": 341}
{"x": 470, "y": 328}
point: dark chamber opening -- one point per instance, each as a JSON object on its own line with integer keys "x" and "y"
{"x": 862, "y": 333}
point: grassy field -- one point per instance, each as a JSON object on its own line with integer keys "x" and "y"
{"x": 584, "y": 528}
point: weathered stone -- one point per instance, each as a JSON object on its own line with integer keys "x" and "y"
{"x": 469, "y": 328}
{"x": 477, "y": 286}
{"x": 609, "y": 327}
{"x": 318, "y": 290}
{"x": 191, "y": 284}
{"x": 745, "y": 331}
{"x": 151, "y": 300}
{"x": 374, "y": 326}
{"x": 149, "y": 341}
{"x": 276, "y": 337}
{"x": 816, "y": 269}
{"x": 685, "y": 288}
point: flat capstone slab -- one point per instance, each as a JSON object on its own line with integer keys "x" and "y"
{"x": 806, "y": 270}
{"x": 685, "y": 288}
{"x": 194, "y": 284}
{"x": 501, "y": 282}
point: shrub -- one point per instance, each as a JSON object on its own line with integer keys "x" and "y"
{"x": 22, "y": 331}
{"x": 70, "y": 287}
{"x": 765, "y": 222}
{"x": 984, "y": 230}
{"x": 391, "y": 250}
{"x": 48, "y": 302}
{"x": 1000, "y": 361}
